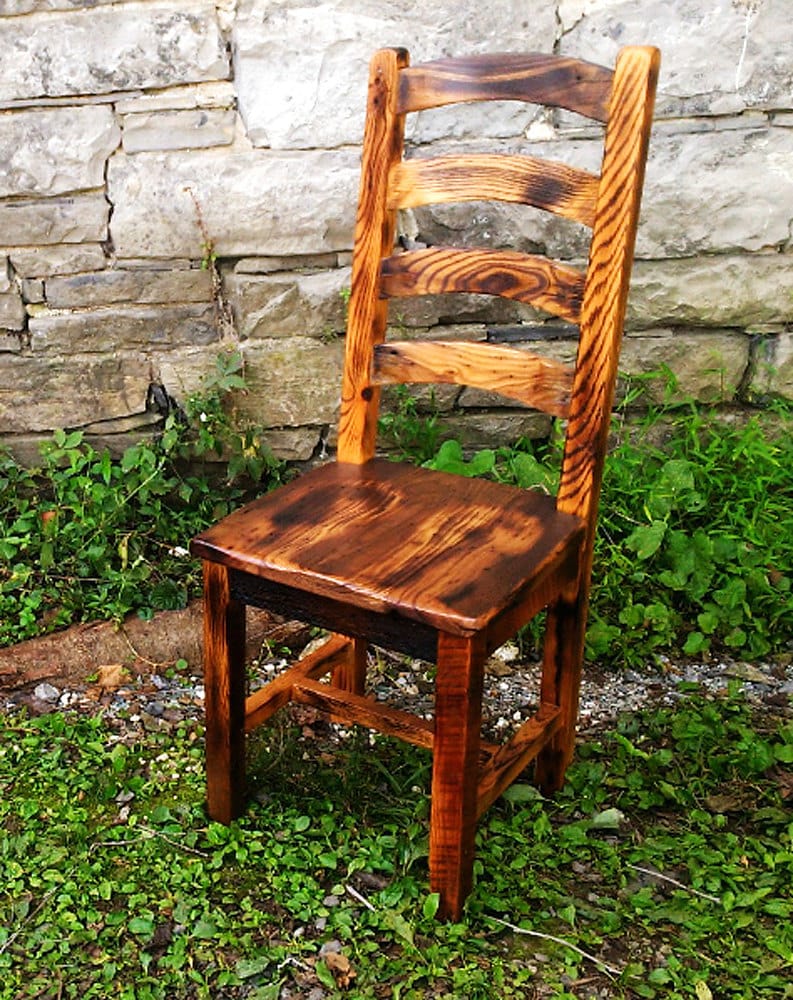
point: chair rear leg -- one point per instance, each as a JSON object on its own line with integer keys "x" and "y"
{"x": 563, "y": 655}
{"x": 224, "y": 693}
{"x": 351, "y": 676}
{"x": 458, "y": 717}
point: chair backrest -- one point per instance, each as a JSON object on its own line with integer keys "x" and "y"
{"x": 594, "y": 298}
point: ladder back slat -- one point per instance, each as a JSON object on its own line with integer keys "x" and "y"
{"x": 538, "y": 382}
{"x": 545, "y": 184}
{"x": 536, "y": 78}
{"x": 553, "y": 287}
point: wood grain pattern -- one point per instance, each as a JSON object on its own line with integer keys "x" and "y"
{"x": 546, "y": 184}
{"x": 224, "y": 696}
{"x": 542, "y": 383}
{"x": 455, "y": 767}
{"x": 265, "y": 702}
{"x": 399, "y": 540}
{"x": 539, "y": 282}
{"x": 357, "y": 709}
{"x": 430, "y": 564}
{"x": 537, "y": 78}
{"x": 367, "y": 313}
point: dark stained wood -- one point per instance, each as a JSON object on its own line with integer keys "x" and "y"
{"x": 444, "y": 567}
{"x": 367, "y": 314}
{"x": 539, "y": 282}
{"x": 422, "y": 545}
{"x": 455, "y": 766}
{"x": 602, "y": 317}
{"x": 353, "y": 708}
{"x": 540, "y": 79}
{"x": 517, "y": 754}
{"x": 224, "y": 695}
{"x": 412, "y": 638}
{"x": 554, "y": 187}
{"x": 267, "y": 700}
{"x": 539, "y": 382}
{"x": 351, "y": 673}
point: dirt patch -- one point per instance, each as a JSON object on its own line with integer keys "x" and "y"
{"x": 65, "y": 659}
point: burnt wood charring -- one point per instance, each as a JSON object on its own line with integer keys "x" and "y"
{"x": 442, "y": 567}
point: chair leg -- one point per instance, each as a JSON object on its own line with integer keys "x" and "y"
{"x": 458, "y": 717}
{"x": 351, "y": 676}
{"x": 224, "y": 693}
{"x": 563, "y": 655}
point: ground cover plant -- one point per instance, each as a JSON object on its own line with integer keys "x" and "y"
{"x": 86, "y": 536}
{"x": 694, "y": 549}
{"x": 664, "y": 869}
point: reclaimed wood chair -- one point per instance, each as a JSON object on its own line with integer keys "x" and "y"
{"x": 437, "y": 566}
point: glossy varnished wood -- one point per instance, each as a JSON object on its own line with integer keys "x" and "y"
{"x": 554, "y": 187}
{"x": 537, "y": 281}
{"x": 436, "y": 566}
{"x": 534, "y": 77}
{"x": 367, "y": 313}
{"x": 397, "y": 540}
{"x": 538, "y": 382}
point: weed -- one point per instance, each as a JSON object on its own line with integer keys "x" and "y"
{"x": 112, "y": 883}
{"x": 88, "y": 536}
{"x": 694, "y": 547}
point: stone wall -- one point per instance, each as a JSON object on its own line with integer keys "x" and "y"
{"x": 128, "y": 127}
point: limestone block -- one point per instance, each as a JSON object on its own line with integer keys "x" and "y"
{"x": 491, "y": 430}
{"x": 55, "y": 150}
{"x": 41, "y": 393}
{"x": 292, "y": 382}
{"x": 708, "y": 367}
{"x": 293, "y": 444}
{"x": 718, "y": 57}
{"x": 252, "y": 203}
{"x": 289, "y": 304}
{"x": 5, "y": 276}
{"x": 301, "y": 67}
{"x": 99, "y": 288}
{"x": 216, "y": 94}
{"x": 71, "y": 258}
{"x": 10, "y": 342}
{"x": 13, "y": 7}
{"x": 78, "y": 218}
{"x": 198, "y": 129}
{"x": 121, "y": 47}
{"x": 719, "y": 290}
{"x": 122, "y": 328}
{"x": 773, "y": 366}
{"x": 717, "y": 192}
{"x": 12, "y": 310}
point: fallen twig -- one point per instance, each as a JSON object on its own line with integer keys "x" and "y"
{"x": 673, "y": 881}
{"x": 565, "y": 944}
{"x": 361, "y": 899}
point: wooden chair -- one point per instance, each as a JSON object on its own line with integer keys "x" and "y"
{"x": 438, "y": 566}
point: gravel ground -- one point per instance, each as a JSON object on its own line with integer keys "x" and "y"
{"x": 143, "y": 702}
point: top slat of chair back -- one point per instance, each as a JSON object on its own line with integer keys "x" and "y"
{"x": 595, "y": 300}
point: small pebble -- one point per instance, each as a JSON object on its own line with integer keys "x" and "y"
{"x": 46, "y": 692}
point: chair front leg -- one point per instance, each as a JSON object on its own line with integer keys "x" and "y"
{"x": 224, "y": 693}
{"x": 455, "y": 769}
{"x": 563, "y": 655}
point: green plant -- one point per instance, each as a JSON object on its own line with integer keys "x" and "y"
{"x": 666, "y": 862}
{"x": 85, "y": 535}
{"x": 694, "y": 547}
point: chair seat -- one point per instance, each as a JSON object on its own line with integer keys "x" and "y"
{"x": 389, "y": 538}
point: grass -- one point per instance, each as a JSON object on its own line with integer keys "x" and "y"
{"x": 668, "y": 860}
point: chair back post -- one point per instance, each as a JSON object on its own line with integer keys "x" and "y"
{"x": 367, "y": 312}
{"x": 606, "y": 288}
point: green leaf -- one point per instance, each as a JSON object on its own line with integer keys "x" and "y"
{"x": 520, "y": 792}
{"x": 143, "y": 926}
{"x": 646, "y": 540}
{"x": 430, "y": 907}
{"x": 608, "y": 819}
{"x": 302, "y": 823}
